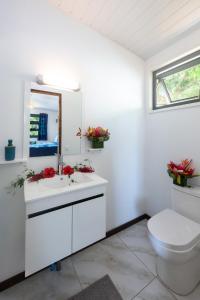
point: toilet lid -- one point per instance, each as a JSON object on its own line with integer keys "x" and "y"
{"x": 173, "y": 230}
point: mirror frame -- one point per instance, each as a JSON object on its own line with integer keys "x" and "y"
{"x": 32, "y": 86}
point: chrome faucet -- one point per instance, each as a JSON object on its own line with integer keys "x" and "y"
{"x": 60, "y": 164}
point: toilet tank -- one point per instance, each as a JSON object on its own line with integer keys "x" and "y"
{"x": 186, "y": 201}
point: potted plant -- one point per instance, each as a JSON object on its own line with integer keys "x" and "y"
{"x": 97, "y": 136}
{"x": 181, "y": 172}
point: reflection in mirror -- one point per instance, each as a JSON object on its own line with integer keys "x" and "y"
{"x": 45, "y": 123}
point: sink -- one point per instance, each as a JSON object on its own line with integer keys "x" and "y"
{"x": 79, "y": 177}
{"x": 56, "y": 182}
{"x": 62, "y": 181}
{"x": 60, "y": 184}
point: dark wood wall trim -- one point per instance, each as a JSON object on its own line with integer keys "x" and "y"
{"x": 12, "y": 281}
{"x": 126, "y": 225}
{"x": 21, "y": 276}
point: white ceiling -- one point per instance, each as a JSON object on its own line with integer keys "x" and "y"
{"x": 143, "y": 26}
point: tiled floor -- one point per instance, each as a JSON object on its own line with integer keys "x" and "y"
{"x": 127, "y": 257}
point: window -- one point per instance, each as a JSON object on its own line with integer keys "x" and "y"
{"x": 34, "y": 125}
{"x": 177, "y": 83}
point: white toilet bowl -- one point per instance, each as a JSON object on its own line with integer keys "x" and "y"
{"x": 176, "y": 240}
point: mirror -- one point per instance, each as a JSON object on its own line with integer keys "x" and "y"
{"x": 44, "y": 123}
{"x": 53, "y": 121}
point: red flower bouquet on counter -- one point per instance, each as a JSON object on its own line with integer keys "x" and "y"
{"x": 68, "y": 170}
{"x": 46, "y": 173}
{"x": 181, "y": 172}
{"x": 86, "y": 169}
{"x": 36, "y": 177}
{"x": 49, "y": 172}
{"x": 97, "y": 136}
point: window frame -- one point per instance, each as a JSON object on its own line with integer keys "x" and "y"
{"x": 181, "y": 64}
{"x": 34, "y": 123}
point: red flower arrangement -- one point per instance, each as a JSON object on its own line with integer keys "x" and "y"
{"x": 86, "y": 169}
{"x": 36, "y": 177}
{"x": 97, "y": 132}
{"x": 31, "y": 176}
{"x": 49, "y": 172}
{"x": 97, "y": 136}
{"x": 46, "y": 173}
{"x": 68, "y": 170}
{"x": 181, "y": 172}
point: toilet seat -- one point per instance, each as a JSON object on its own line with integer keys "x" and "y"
{"x": 174, "y": 231}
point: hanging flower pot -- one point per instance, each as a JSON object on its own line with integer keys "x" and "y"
{"x": 180, "y": 180}
{"x": 97, "y": 144}
{"x": 97, "y": 136}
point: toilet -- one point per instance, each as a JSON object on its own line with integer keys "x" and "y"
{"x": 175, "y": 236}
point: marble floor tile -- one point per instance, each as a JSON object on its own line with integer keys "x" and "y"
{"x": 195, "y": 295}
{"x": 112, "y": 257}
{"x": 155, "y": 291}
{"x": 46, "y": 285}
{"x": 127, "y": 257}
{"x": 136, "y": 239}
{"x": 149, "y": 260}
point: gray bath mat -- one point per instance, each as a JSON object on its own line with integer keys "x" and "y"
{"x": 102, "y": 289}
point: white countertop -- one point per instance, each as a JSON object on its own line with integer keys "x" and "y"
{"x": 35, "y": 190}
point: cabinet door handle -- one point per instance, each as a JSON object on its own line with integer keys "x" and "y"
{"x": 46, "y": 211}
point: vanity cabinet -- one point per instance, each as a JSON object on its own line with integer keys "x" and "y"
{"x": 89, "y": 223}
{"x": 48, "y": 239}
{"x": 62, "y": 221}
{"x": 53, "y": 235}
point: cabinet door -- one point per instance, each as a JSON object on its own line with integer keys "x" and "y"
{"x": 89, "y": 223}
{"x": 48, "y": 239}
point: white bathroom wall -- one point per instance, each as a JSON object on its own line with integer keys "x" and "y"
{"x": 170, "y": 134}
{"x": 37, "y": 38}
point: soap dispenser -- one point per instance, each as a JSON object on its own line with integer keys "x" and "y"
{"x": 10, "y": 151}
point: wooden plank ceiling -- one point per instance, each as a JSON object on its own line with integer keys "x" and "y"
{"x": 142, "y": 26}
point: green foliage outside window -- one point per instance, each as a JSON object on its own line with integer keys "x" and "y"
{"x": 178, "y": 86}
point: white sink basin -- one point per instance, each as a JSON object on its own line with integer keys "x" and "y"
{"x": 56, "y": 182}
{"x": 60, "y": 184}
{"x": 79, "y": 177}
{"x": 62, "y": 181}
